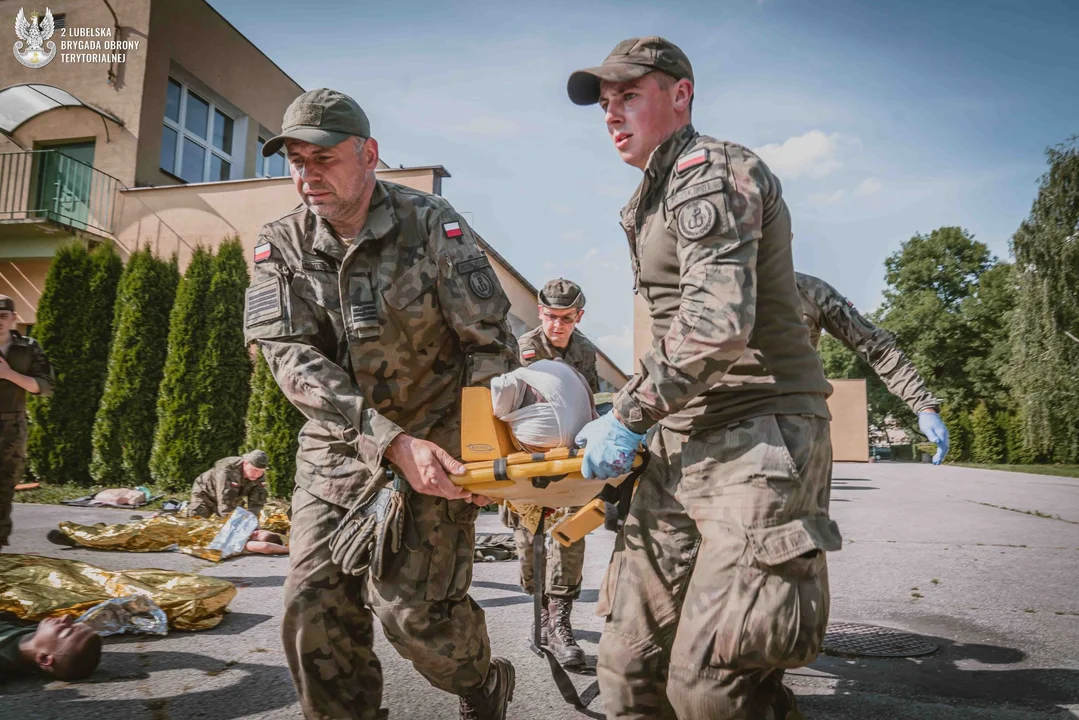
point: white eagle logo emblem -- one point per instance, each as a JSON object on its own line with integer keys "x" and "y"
{"x": 34, "y": 37}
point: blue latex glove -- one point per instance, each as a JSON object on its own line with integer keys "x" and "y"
{"x": 610, "y": 448}
{"x": 933, "y": 427}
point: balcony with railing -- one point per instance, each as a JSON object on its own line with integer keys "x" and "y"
{"x": 44, "y": 194}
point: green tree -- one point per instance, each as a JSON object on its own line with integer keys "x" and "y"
{"x": 1043, "y": 371}
{"x": 273, "y": 425}
{"x": 60, "y": 331}
{"x": 225, "y": 365}
{"x": 61, "y": 442}
{"x": 177, "y": 457}
{"x": 947, "y": 324}
{"x": 960, "y": 434}
{"x": 987, "y": 445}
{"x": 127, "y": 416}
{"x": 1017, "y": 451}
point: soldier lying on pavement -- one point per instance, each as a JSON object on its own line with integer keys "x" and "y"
{"x": 561, "y": 307}
{"x": 58, "y": 647}
{"x": 374, "y": 305}
{"x": 823, "y": 307}
{"x": 160, "y": 533}
{"x": 230, "y": 483}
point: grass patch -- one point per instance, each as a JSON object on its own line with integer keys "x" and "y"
{"x": 53, "y": 494}
{"x": 935, "y": 581}
{"x": 1029, "y": 610}
{"x": 916, "y": 595}
{"x": 1034, "y": 513}
{"x": 1057, "y": 470}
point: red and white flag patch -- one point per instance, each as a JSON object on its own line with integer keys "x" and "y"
{"x": 528, "y": 354}
{"x": 452, "y": 229}
{"x": 692, "y": 160}
{"x": 262, "y": 252}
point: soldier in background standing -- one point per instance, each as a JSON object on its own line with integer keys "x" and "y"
{"x": 823, "y": 307}
{"x": 230, "y": 483}
{"x": 561, "y": 307}
{"x": 23, "y": 369}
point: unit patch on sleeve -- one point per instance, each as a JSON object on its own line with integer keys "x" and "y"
{"x": 481, "y": 285}
{"x": 697, "y": 219}
{"x": 692, "y": 160}
{"x": 265, "y": 302}
{"x": 705, "y": 188}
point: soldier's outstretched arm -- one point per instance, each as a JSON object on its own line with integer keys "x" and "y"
{"x": 298, "y": 347}
{"x": 473, "y": 301}
{"x": 874, "y": 345}
{"x": 719, "y": 294}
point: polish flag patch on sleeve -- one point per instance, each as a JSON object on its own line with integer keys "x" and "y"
{"x": 263, "y": 251}
{"x": 528, "y": 354}
{"x": 452, "y": 229}
{"x": 692, "y": 160}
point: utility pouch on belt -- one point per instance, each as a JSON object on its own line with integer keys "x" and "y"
{"x": 373, "y": 529}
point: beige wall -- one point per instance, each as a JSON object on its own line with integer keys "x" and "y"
{"x": 191, "y": 35}
{"x": 850, "y": 421}
{"x": 23, "y": 280}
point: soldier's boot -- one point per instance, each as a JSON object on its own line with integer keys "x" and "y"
{"x": 545, "y": 621}
{"x": 489, "y": 701}
{"x": 560, "y": 631}
{"x": 786, "y": 707}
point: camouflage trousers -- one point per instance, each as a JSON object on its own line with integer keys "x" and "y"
{"x": 203, "y": 502}
{"x": 12, "y": 463}
{"x": 422, "y": 602}
{"x": 710, "y": 639}
{"x": 565, "y": 565}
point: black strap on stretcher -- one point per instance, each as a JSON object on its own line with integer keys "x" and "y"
{"x": 619, "y": 496}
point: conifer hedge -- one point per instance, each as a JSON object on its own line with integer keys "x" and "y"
{"x": 273, "y": 425}
{"x": 74, "y": 327}
{"x": 177, "y": 458}
{"x": 123, "y": 432}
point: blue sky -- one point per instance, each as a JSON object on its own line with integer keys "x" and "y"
{"x": 882, "y": 119}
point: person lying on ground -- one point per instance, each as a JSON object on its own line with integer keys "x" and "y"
{"x": 59, "y": 647}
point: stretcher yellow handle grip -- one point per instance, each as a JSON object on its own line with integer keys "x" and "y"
{"x": 481, "y": 475}
{"x": 582, "y": 522}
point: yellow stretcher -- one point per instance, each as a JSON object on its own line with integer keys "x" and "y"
{"x": 552, "y": 479}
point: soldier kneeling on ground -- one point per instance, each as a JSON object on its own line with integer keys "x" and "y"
{"x": 230, "y": 482}
{"x": 59, "y": 647}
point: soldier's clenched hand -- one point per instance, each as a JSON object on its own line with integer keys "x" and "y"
{"x": 426, "y": 466}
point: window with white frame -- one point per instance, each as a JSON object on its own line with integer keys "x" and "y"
{"x": 273, "y": 166}
{"x": 196, "y": 140}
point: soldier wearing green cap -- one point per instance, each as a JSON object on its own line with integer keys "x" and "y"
{"x": 374, "y": 305}
{"x": 561, "y": 307}
{"x": 231, "y": 483}
{"x": 718, "y": 581}
{"x": 23, "y": 369}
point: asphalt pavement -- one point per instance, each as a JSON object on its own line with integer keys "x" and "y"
{"x": 983, "y": 564}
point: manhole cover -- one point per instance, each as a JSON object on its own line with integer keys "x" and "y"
{"x": 855, "y": 640}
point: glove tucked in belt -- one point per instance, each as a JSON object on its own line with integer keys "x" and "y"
{"x": 370, "y": 529}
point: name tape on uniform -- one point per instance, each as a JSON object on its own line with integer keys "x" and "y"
{"x": 705, "y": 188}
{"x": 471, "y": 265}
{"x": 692, "y": 160}
{"x": 452, "y": 229}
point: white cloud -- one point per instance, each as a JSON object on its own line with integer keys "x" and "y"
{"x": 560, "y": 209}
{"x": 488, "y": 125}
{"x": 869, "y": 186}
{"x": 827, "y": 198}
{"x": 812, "y": 154}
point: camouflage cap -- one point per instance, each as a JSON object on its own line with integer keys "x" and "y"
{"x": 323, "y": 117}
{"x": 7, "y": 303}
{"x": 560, "y": 294}
{"x": 630, "y": 59}
{"x": 258, "y": 458}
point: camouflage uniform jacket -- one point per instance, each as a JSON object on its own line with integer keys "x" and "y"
{"x": 225, "y": 482}
{"x": 26, "y": 357}
{"x": 709, "y": 237}
{"x": 823, "y": 307}
{"x": 377, "y": 336}
{"x": 580, "y": 353}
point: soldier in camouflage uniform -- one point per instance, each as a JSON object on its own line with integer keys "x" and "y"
{"x": 23, "y": 369}
{"x": 228, "y": 484}
{"x": 718, "y": 579}
{"x": 373, "y": 306}
{"x": 824, "y": 308}
{"x": 561, "y": 307}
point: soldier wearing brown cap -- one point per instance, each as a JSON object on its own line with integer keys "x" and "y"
{"x": 23, "y": 369}
{"x": 561, "y": 307}
{"x": 374, "y": 305}
{"x": 718, "y": 579}
{"x": 229, "y": 484}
